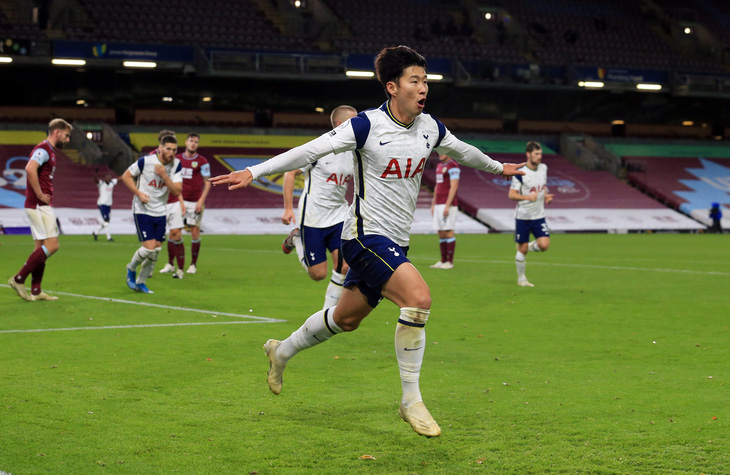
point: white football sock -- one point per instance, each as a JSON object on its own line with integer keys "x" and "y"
{"x": 300, "y": 251}
{"x": 318, "y": 328}
{"x": 139, "y": 256}
{"x": 334, "y": 290}
{"x": 148, "y": 265}
{"x": 534, "y": 247}
{"x": 410, "y": 345}
{"x": 520, "y": 264}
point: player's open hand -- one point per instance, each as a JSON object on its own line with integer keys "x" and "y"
{"x": 160, "y": 170}
{"x": 234, "y": 180}
{"x": 512, "y": 169}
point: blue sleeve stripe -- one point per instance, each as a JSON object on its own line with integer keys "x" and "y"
{"x": 140, "y": 164}
{"x": 442, "y": 132}
{"x": 519, "y": 178}
{"x": 179, "y": 167}
{"x": 361, "y": 128}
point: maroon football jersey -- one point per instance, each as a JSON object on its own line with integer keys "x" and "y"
{"x": 194, "y": 171}
{"x": 45, "y": 153}
{"x": 443, "y": 181}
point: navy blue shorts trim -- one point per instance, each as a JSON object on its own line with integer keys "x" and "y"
{"x": 105, "y": 211}
{"x": 150, "y": 227}
{"x": 372, "y": 259}
{"x": 523, "y": 228}
{"x": 317, "y": 241}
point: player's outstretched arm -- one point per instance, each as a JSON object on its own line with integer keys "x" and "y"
{"x": 512, "y": 169}
{"x": 234, "y": 180}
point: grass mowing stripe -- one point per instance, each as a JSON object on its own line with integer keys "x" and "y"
{"x": 593, "y": 266}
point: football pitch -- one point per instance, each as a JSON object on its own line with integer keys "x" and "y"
{"x": 615, "y": 362}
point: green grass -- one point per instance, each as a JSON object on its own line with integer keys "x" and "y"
{"x": 615, "y": 362}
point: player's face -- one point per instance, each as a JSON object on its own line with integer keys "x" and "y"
{"x": 62, "y": 137}
{"x": 192, "y": 144}
{"x": 167, "y": 152}
{"x": 409, "y": 92}
{"x": 534, "y": 158}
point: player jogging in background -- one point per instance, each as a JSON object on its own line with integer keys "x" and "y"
{"x": 39, "y": 207}
{"x": 444, "y": 209}
{"x": 150, "y": 179}
{"x": 322, "y": 209}
{"x": 106, "y": 192}
{"x": 188, "y": 208}
{"x": 391, "y": 145}
{"x": 531, "y": 193}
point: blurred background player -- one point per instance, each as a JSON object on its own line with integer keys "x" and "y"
{"x": 106, "y": 190}
{"x": 39, "y": 208}
{"x": 322, "y": 209}
{"x": 444, "y": 208}
{"x": 187, "y": 208}
{"x": 716, "y": 217}
{"x": 531, "y": 193}
{"x": 392, "y": 143}
{"x": 149, "y": 180}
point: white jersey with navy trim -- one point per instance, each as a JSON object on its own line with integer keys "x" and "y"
{"x": 388, "y": 164}
{"x": 106, "y": 191}
{"x": 323, "y": 202}
{"x": 148, "y": 181}
{"x": 531, "y": 181}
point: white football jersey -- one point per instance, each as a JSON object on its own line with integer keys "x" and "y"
{"x": 106, "y": 190}
{"x": 323, "y": 203}
{"x": 388, "y": 162}
{"x": 148, "y": 181}
{"x": 532, "y": 180}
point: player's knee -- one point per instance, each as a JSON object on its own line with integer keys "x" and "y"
{"x": 543, "y": 247}
{"x": 421, "y": 299}
{"x": 317, "y": 273}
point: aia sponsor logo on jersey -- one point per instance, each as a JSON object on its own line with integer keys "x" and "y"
{"x": 156, "y": 184}
{"x": 403, "y": 168}
{"x": 339, "y": 179}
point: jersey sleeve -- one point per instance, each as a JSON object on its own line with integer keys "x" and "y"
{"x": 467, "y": 154}
{"x": 297, "y": 157}
{"x": 454, "y": 173}
{"x": 40, "y": 156}
{"x": 177, "y": 174}
{"x": 136, "y": 168}
{"x": 350, "y": 135}
{"x": 114, "y": 182}
{"x": 516, "y": 182}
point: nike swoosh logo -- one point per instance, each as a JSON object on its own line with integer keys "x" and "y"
{"x": 412, "y": 349}
{"x": 385, "y": 143}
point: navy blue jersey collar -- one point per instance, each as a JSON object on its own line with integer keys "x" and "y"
{"x": 386, "y": 108}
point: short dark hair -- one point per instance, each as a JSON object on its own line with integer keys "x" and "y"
{"x": 168, "y": 139}
{"x": 193, "y": 134}
{"x": 164, "y": 133}
{"x": 532, "y": 146}
{"x": 392, "y": 62}
{"x": 58, "y": 124}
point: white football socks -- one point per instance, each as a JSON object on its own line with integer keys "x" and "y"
{"x": 139, "y": 256}
{"x": 148, "y": 265}
{"x": 300, "y": 252}
{"x": 520, "y": 264}
{"x": 534, "y": 247}
{"x": 318, "y": 328}
{"x": 334, "y": 290}
{"x": 410, "y": 345}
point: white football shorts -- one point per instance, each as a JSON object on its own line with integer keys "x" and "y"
{"x": 43, "y": 223}
{"x": 176, "y": 219}
{"x": 441, "y": 224}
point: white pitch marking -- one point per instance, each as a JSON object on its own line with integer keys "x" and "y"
{"x": 147, "y": 304}
{"x": 590, "y": 266}
{"x": 111, "y": 327}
